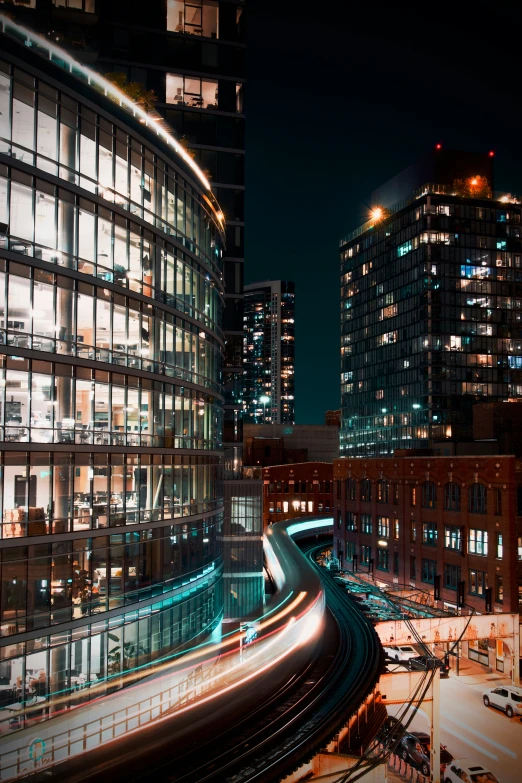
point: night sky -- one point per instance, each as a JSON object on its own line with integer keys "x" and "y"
{"x": 338, "y": 102}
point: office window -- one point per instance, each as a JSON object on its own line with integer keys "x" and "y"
{"x": 451, "y": 576}
{"x": 499, "y": 547}
{"x": 382, "y": 491}
{"x": 351, "y": 520}
{"x": 383, "y": 557}
{"x": 429, "y": 494}
{"x": 413, "y": 496}
{"x": 366, "y": 523}
{"x": 278, "y": 507}
{"x": 351, "y": 489}
{"x": 452, "y": 537}
{"x": 338, "y": 490}
{"x": 499, "y": 589}
{"x": 366, "y": 553}
{"x": 395, "y": 562}
{"x": 478, "y": 542}
{"x": 429, "y": 569}
{"x": 452, "y": 497}
{"x": 498, "y": 502}
{"x": 196, "y": 17}
{"x": 396, "y": 529}
{"x": 478, "y": 581}
{"x": 519, "y": 548}
{"x": 429, "y": 533}
{"x": 310, "y": 506}
{"x": 413, "y": 567}
{"x": 477, "y": 498}
{"x": 350, "y": 550}
{"x": 285, "y": 506}
{"x": 366, "y": 490}
{"x": 383, "y": 526}
{"x": 413, "y": 531}
{"x": 191, "y": 91}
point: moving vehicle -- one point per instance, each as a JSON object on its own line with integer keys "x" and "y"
{"x": 415, "y": 749}
{"x": 465, "y": 771}
{"x": 400, "y": 652}
{"x": 506, "y": 697}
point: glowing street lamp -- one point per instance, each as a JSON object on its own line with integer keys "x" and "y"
{"x": 376, "y": 213}
{"x": 264, "y": 399}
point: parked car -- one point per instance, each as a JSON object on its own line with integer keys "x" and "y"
{"x": 465, "y": 771}
{"x": 400, "y": 652}
{"x": 505, "y": 698}
{"x": 420, "y": 663}
{"x": 415, "y": 749}
{"x": 390, "y": 731}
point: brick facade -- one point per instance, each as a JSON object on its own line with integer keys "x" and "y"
{"x": 450, "y": 517}
{"x": 288, "y": 487}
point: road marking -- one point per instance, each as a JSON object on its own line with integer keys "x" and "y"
{"x": 502, "y": 748}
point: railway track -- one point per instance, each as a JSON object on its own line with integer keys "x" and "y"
{"x": 269, "y": 744}
{"x": 254, "y": 737}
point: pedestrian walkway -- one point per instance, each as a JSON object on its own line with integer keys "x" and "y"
{"x": 473, "y": 673}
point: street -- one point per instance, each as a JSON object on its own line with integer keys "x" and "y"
{"x": 471, "y": 730}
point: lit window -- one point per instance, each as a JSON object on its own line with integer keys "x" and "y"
{"x": 478, "y": 542}
{"x": 310, "y": 506}
{"x": 191, "y": 91}
{"x": 87, "y": 6}
{"x": 403, "y": 249}
{"x": 197, "y": 17}
{"x": 285, "y": 506}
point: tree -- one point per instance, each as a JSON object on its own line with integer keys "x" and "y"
{"x": 473, "y": 187}
{"x": 145, "y": 99}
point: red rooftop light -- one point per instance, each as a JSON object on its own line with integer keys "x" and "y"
{"x": 491, "y": 154}
{"x": 438, "y": 146}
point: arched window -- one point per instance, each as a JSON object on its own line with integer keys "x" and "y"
{"x": 351, "y": 489}
{"x": 366, "y": 490}
{"x": 429, "y": 494}
{"x": 382, "y": 491}
{"x": 452, "y": 496}
{"x": 477, "y": 498}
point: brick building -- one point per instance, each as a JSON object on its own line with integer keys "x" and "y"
{"x": 448, "y": 523}
{"x": 299, "y": 490}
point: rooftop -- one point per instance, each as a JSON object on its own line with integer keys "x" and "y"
{"x": 378, "y": 215}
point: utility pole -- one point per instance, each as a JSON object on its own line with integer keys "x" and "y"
{"x": 435, "y": 728}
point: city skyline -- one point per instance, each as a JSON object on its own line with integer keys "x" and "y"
{"x": 348, "y": 118}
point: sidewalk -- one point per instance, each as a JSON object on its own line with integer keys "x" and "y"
{"x": 472, "y": 673}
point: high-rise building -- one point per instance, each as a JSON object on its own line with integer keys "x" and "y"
{"x": 431, "y": 298}
{"x": 111, "y": 413}
{"x": 268, "y": 353}
{"x": 191, "y": 53}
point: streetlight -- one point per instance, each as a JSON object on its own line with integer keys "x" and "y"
{"x": 264, "y": 399}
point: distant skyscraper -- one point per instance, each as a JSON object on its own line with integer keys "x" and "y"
{"x": 268, "y": 354}
{"x": 431, "y": 297}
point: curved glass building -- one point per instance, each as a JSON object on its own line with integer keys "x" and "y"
{"x": 110, "y": 406}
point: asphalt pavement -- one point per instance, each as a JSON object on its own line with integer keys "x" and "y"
{"x": 471, "y": 730}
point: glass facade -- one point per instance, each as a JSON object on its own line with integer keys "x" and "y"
{"x": 431, "y": 319}
{"x": 269, "y": 353}
{"x": 110, "y": 406}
